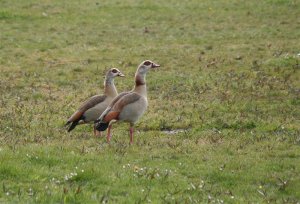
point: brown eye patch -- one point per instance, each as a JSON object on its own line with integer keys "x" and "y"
{"x": 114, "y": 71}
{"x": 147, "y": 63}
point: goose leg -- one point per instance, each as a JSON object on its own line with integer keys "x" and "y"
{"x": 108, "y": 134}
{"x": 97, "y": 133}
{"x": 131, "y": 134}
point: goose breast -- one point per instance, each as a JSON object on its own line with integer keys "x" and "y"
{"x": 133, "y": 111}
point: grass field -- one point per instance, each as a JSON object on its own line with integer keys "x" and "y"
{"x": 223, "y": 122}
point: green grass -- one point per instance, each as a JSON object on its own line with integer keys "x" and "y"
{"x": 228, "y": 87}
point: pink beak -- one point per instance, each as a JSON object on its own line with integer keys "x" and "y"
{"x": 121, "y": 74}
{"x": 155, "y": 65}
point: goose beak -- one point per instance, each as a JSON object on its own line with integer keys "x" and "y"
{"x": 121, "y": 74}
{"x": 155, "y": 65}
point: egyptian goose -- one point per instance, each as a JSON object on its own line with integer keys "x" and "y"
{"x": 92, "y": 108}
{"x": 127, "y": 106}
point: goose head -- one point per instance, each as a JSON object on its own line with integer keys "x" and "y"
{"x": 114, "y": 72}
{"x": 146, "y": 65}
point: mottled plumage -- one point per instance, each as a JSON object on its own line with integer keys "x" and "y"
{"x": 128, "y": 106}
{"x": 92, "y": 108}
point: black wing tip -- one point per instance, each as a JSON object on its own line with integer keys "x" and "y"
{"x": 101, "y": 126}
{"x": 72, "y": 126}
{"x": 67, "y": 123}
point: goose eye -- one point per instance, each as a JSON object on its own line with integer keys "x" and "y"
{"x": 114, "y": 71}
{"x": 147, "y": 63}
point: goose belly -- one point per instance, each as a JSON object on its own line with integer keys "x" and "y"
{"x": 132, "y": 112}
{"x": 94, "y": 113}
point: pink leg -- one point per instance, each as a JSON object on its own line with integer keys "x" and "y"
{"x": 97, "y": 133}
{"x": 131, "y": 134}
{"x": 108, "y": 134}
